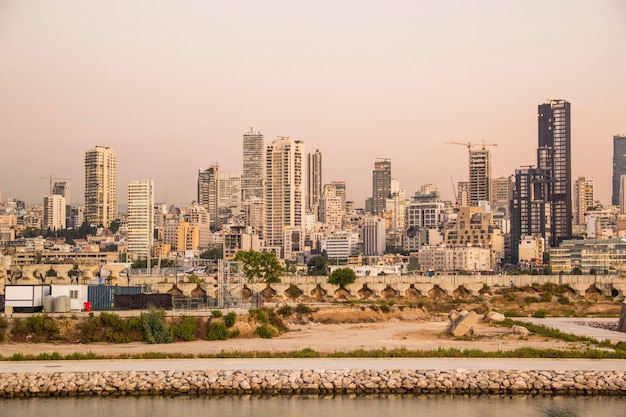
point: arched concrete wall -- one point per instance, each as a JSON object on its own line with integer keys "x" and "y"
{"x": 317, "y": 287}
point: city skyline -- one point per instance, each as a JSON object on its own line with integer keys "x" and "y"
{"x": 357, "y": 80}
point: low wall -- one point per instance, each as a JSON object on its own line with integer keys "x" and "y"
{"x": 226, "y": 382}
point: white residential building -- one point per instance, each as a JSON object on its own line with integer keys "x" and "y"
{"x": 54, "y": 212}
{"x": 100, "y": 186}
{"x": 284, "y": 189}
{"x": 141, "y": 218}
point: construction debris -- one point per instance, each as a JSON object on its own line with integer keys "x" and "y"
{"x": 461, "y": 322}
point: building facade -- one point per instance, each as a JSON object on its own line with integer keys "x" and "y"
{"x": 141, "y": 218}
{"x": 381, "y": 186}
{"x": 583, "y": 198}
{"x": 285, "y": 191}
{"x": 100, "y": 186}
{"x": 530, "y": 207}
{"x": 554, "y": 155}
{"x": 314, "y": 181}
{"x": 253, "y": 165}
{"x": 209, "y": 192}
{"x": 63, "y": 189}
{"x": 54, "y": 216}
{"x": 479, "y": 176}
{"x": 619, "y": 165}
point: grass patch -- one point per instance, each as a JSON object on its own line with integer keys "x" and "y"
{"x": 524, "y": 352}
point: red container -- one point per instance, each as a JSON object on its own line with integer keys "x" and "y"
{"x": 87, "y": 306}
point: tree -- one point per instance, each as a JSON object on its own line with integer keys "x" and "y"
{"x": 317, "y": 264}
{"x": 114, "y": 226}
{"x": 342, "y": 277}
{"x": 260, "y": 267}
{"x": 215, "y": 254}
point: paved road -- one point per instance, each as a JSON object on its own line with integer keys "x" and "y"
{"x": 277, "y": 364}
{"x": 579, "y": 327}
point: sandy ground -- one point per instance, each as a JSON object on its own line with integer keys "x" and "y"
{"x": 424, "y": 334}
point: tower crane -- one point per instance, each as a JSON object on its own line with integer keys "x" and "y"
{"x": 456, "y": 196}
{"x": 52, "y": 178}
{"x": 471, "y": 145}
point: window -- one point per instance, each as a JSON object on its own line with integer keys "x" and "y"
{"x": 74, "y": 294}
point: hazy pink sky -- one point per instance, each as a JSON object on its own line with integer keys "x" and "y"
{"x": 171, "y": 87}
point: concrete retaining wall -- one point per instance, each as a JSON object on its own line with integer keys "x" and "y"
{"x": 313, "y": 382}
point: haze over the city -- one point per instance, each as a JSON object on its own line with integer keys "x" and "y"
{"x": 172, "y": 86}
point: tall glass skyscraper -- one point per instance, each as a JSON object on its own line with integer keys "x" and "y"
{"x": 381, "y": 185}
{"x": 554, "y": 155}
{"x": 619, "y": 165}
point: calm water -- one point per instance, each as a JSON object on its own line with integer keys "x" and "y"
{"x": 301, "y": 406}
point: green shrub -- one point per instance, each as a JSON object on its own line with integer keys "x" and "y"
{"x": 154, "y": 328}
{"x": 185, "y": 329}
{"x": 216, "y": 314}
{"x": 266, "y": 332}
{"x": 259, "y": 315}
{"x": 384, "y": 308}
{"x": 513, "y": 313}
{"x": 268, "y": 316}
{"x": 38, "y": 328}
{"x": 218, "y": 331}
{"x": 111, "y": 328}
{"x": 540, "y": 314}
{"x": 230, "y": 319}
{"x": 563, "y": 300}
{"x": 531, "y": 299}
{"x": 285, "y": 311}
{"x": 303, "y": 309}
{"x": 545, "y": 297}
{"x": 3, "y": 328}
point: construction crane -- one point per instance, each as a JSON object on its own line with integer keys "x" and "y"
{"x": 52, "y": 178}
{"x": 456, "y": 196}
{"x": 471, "y": 145}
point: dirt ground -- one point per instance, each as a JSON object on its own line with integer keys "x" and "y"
{"x": 330, "y": 330}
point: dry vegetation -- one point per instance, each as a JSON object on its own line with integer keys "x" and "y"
{"x": 416, "y": 324}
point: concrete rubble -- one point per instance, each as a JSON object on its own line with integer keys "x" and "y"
{"x": 461, "y": 322}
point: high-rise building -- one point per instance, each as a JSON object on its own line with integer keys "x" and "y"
{"x": 337, "y": 189}
{"x": 197, "y": 216}
{"x": 54, "y": 212}
{"x": 209, "y": 192}
{"x": 141, "y": 218}
{"x": 530, "y": 207}
{"x": 63, "y": 189}
{"x": 583, "y": 198}
{"x": 501, "y": 192}
{"x": 284, "y": 189}
{"x": 479, "y": 176}
{"x": 463, "y": 193}
{"x": 314, "y": 181}
{"x": 622, "y": 194}
{"x": 554, "y": 155}
{"x": 230, "y": 198}
{"x": 381, "y": 185}
{"x": 619, "y": 165}
{"x": 374, "y": 236}
{"x": 100, "y": 186}
{"x": 253, "y": 165}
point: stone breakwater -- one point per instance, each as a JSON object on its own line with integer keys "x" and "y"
{"x": 226, "y": 382}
